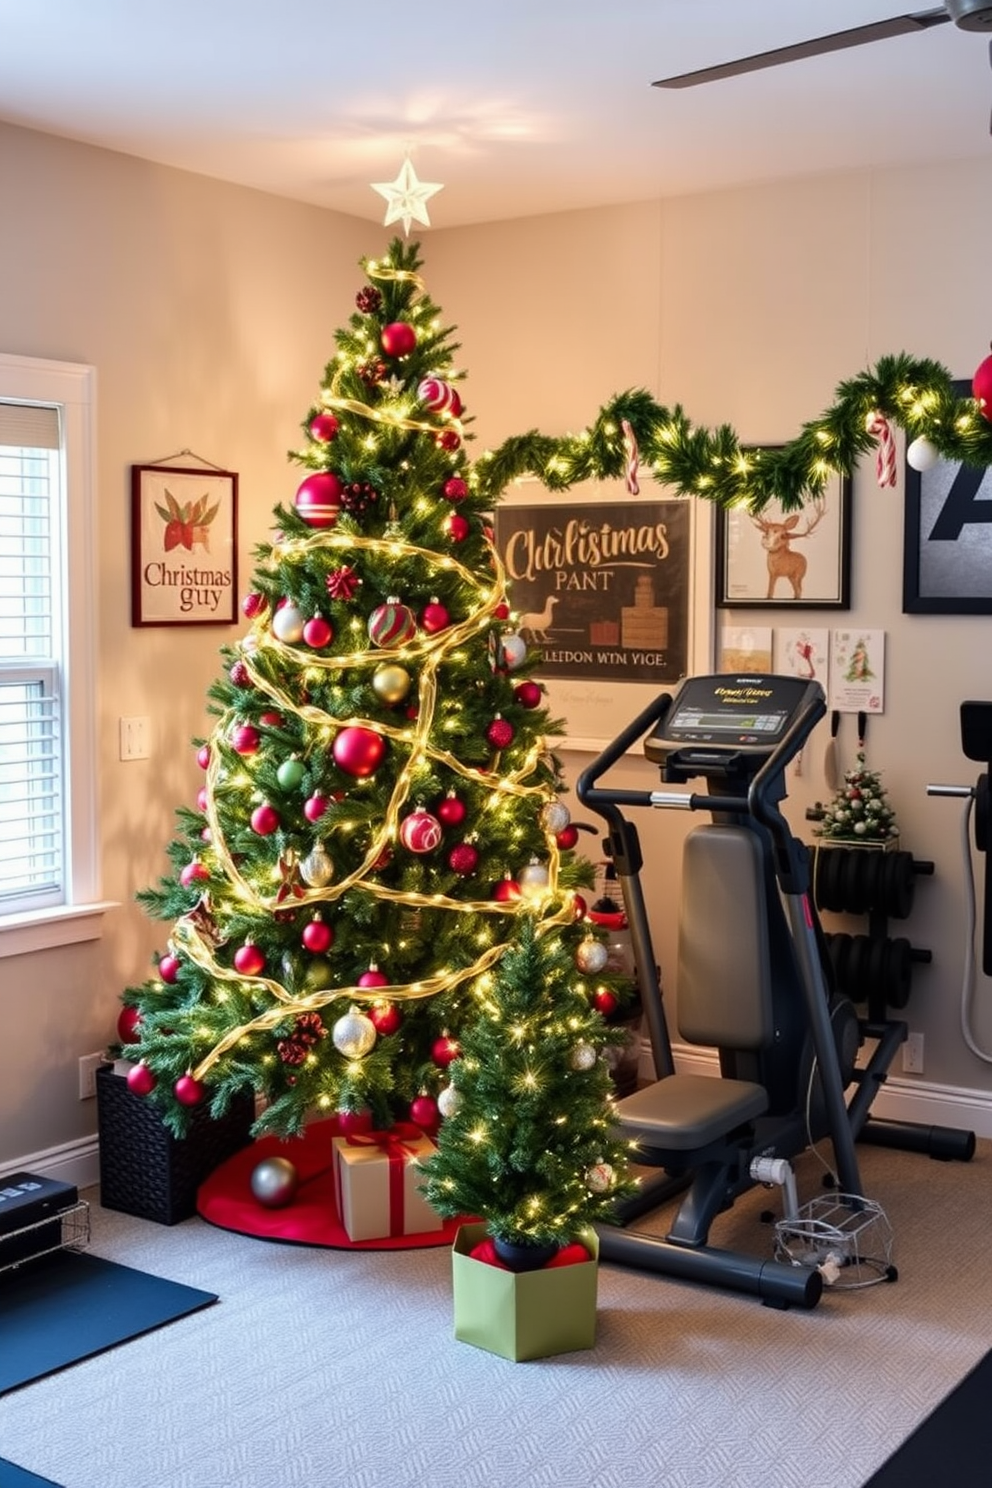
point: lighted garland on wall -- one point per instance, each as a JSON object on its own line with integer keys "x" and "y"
{"x": 634, "y": 432}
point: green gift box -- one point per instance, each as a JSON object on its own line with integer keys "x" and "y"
{"x": 523, "y": 1314}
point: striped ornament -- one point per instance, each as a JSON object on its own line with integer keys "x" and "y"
{"x": 392, "y": 624}
{"x": 439, "y": 396}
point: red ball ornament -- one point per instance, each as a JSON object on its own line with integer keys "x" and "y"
{"x": 439, "y": 396}
{"x": 358, "y": 751}
{"x": 254, "y": 604}
{"x": 318, "y": 632}
{"x": 193, "y": 873}
{"x": 373, "y": 978}
{"x": 189, "y": 1092}
{"x": 318, "y": 499}
{"x": 248, "y": 959}
{"x": 500, "y": 733}
{"x": 455, "y": 489}
{"x": 604, "y": 1001}
{"x": 434, "y": 617}
{"x": 128, "y": 1025}
{"x": 244, "y": 739}
{"x": 420, "y": 832}
{"x": 318, "y": 937}
{"x": 579, "y": 907}
{"x": 981, "y": 387}
{"x": 140, "y": 1080}
{"x": 315, "y": 806}
{"x": 457, "y": 527}
{"x": 463, "y": 859}
{"x": 502, "y": 611}
{"x": 386, "y": 1017}
{"x": 202, "y": 799}
{"x": 355, "y": 1123}
{"x": 445, "y": 1051}
{"x": 567, "y": 837}
{"x": 528, "y": 694}
{"x": 271, "y": 719}
{"x": 265, "y": 820}
{"x": 240, "y": 675}
{"x": 168, "y": 968}
{"x": 203, "y": 757}
{"x": 392, "y": 624}
{"x": 448, "y": 439}
{"x": 451, "y": 811}
{"x": 323, "y": 427}
{"x": 506, "y": 891}
{"x": 424, "y": 1113}
{"x": 398, "y": 339}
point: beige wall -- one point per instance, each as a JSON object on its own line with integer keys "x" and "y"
{"x": 209, "y": 312}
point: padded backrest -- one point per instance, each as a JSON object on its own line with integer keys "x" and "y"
{"x": 724, "y": 982}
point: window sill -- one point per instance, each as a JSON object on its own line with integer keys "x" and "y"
{"x": 44, "y": 929}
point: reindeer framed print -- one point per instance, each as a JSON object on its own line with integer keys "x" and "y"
{"x": 796, "y": 560}
{"x": 184, "y": 545}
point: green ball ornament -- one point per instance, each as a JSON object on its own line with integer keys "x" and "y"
{"x": 290, "y": 774}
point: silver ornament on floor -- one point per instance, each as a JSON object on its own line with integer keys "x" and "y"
{"x": 274, "y": 1182}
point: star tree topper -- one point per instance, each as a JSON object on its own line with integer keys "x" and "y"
{"x": 407, "y": 197}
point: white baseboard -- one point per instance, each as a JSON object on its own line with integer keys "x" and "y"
{"x": 73, "y": 1162}
{"x": 898, "y": 1099}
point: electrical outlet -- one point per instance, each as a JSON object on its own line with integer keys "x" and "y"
{"x": 134, "y": 738}
{"x": 88, "y": 1066}
{"x": 912, "y": 1054}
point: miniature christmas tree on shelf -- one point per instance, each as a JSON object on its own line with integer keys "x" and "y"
{"x": 528, "y": 1142}
{"x": 859, "y": 811}
{"x": 380, "y": 812}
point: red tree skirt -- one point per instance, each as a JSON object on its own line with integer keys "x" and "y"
{"x": 226, "y": 1199}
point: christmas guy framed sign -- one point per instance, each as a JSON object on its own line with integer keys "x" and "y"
{"x": 947, "y": 542}
{"x": 184, "y": 545}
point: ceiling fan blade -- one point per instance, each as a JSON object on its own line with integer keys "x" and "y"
{"x": 838, "y": 41}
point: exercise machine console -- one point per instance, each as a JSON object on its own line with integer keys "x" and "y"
{"x": 753, "y": 983}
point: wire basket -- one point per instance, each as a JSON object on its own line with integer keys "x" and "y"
{"x": 847, "y": 1238}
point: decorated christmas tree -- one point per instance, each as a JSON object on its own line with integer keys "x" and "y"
{"x": 528, "y": 1142}
{"x": 380, "y": 820}
{"x": 860, "y": 810}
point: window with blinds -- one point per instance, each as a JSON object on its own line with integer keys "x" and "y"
{"x": 32, "y": 817}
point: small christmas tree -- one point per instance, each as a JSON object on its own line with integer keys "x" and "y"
{"x": 529, "y": 1141}
{"x": 859, "y": 811}
{"x": 380, "y": 807}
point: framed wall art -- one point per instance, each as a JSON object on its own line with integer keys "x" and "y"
{"x": 796, "y": 560}
{"x": 947, "y": 537}
{"x": 614, "y": 590}
{"x": 184, "y": 545}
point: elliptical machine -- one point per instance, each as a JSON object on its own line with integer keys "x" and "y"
{"x": 752, "y": 982}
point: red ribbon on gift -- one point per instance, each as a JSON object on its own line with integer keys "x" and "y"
{"x": 398, "y": 1142}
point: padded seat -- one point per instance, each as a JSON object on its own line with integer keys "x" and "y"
{"x": 685, "y": 1112}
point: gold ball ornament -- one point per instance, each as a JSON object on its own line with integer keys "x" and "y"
{"x": 354, "y": 1034}
{"x": 391, "y": 683}
{"x": 316, "y": 869}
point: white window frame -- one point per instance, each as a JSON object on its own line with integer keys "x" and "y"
{"x": 72, "y": 387}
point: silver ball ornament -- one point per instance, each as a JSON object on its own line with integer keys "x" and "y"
{"x": 591, "y": 956}
{"x": 583, "y": 1057}
{"x": 922, "y": 455}
{"x": 555, "y": 817}
{"x": 599, "y": 1178}
{"x": 449, "y": 1100}
{"x": 514, "y": 649}
{"x": 533, "y": 877}
{"x": 274, "y": 1182}
{"x": 354, "y": 1034}
{"x": 316, "y": 869}
{"x": 288, "y": 623}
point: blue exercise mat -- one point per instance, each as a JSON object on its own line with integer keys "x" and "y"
{"x": 67, "y": 1306}
{"x": 12, "y": 1476}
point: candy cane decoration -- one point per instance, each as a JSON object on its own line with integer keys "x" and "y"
{"x": 633, "y": 456}
{"x": 885, "y": 459}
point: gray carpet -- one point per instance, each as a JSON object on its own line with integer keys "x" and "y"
{"x": 323, "y": 1369}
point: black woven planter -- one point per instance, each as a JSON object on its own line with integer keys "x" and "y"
{"x": 144, "y": 1169}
